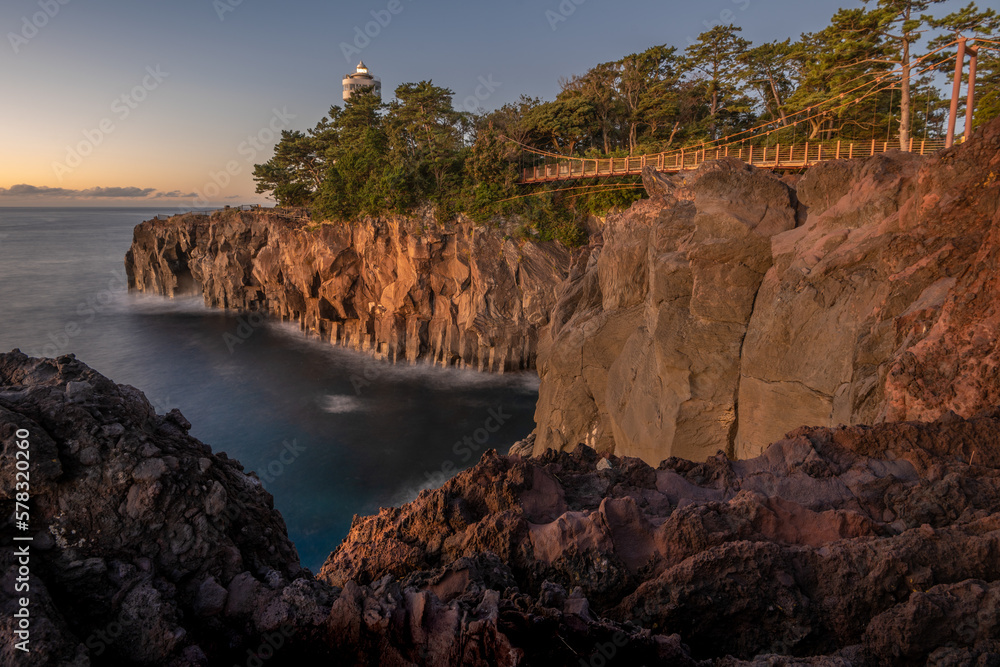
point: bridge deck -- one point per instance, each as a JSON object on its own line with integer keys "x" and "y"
{"x": 778, "y": 157}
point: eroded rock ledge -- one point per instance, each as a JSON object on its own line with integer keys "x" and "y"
{"x": 401, "y": 288}
{"x": 849, "y": 546}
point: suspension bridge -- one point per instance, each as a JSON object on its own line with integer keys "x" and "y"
{"x": 776, "y": 157}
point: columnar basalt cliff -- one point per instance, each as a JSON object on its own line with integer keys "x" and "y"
{"x": 849, "y": 546}
{"x": 729, "y": 308}
{"x": 402, "y": 288}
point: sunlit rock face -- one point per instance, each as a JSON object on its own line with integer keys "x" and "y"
{"x": 402, "y": 288}
{"x": 730, "y": 308}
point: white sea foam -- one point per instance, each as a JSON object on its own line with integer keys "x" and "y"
{"x": 340, "y": 404}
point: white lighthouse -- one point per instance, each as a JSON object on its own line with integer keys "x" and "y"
{"x": 360, "y": 79}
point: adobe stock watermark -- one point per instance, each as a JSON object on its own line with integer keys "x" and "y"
{"x": 58, "y": 342}
{"x": 469, "y": 446}
{"x": 223, "y": 7}
{"x": 726, "y": 16}
{"x": 101, "y": 640}
{"x": 269, "y": 646}
{"x": 122, "y": 107}
{"x": 363, "y": 35}
{"x": 487, "y": 86}
{"x": 248, "y": 149}
{"x": 562, "y": 12}
{"x": 32, "y": 25}
{"x": 246, "y": 325}
{"x": 290, "y": 453}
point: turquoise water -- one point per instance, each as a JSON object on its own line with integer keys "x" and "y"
{"x": 331, "y": 433}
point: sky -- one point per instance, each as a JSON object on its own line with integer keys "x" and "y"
{"x": 154, "y": 103}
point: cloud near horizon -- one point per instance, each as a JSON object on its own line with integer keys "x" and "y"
{"x": 25, "y": 190}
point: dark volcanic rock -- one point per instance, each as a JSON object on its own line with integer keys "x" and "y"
{"x": 149, "y": 549}
{"x": 822, "y": 546}
{"x": 849, "y": 546}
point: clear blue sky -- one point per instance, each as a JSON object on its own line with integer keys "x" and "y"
{"x": 201, "y": 76}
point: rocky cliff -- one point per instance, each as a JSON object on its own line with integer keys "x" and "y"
{"x": 728, "y": 308}
{"x": 402, "y": 288}
{"x": 848, "y": 546}
{"x": 733, "y": 306}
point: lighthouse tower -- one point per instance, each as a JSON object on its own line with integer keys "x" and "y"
{"x": 360, "y": 79}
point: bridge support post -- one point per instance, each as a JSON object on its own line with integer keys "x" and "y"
{"x": 956, "y": 90}
{"x": 970, "y": 103}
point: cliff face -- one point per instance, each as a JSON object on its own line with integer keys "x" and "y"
{"x": 400, "y": 288}
{"x": 847, "y": 546}
{"x": 729, "y": 309}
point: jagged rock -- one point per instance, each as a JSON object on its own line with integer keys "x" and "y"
{"x": 403, "y": 289}
{"x": 159, "y": 552}
{"x": 847, "y": 546}
{"x": 823, "y": 546}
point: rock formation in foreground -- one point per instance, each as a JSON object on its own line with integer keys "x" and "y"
{"x": 848, "y": 546}
{"x": 731, "y": 307}
{"x": 401, "y": 288}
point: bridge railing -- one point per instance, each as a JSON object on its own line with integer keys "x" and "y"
{"x": 793, "y": 156}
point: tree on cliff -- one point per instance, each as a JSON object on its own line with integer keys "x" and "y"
{"x": 771, "y": 72}
{"x": 717, "y": 59}
{"x": 362, "y": 178}
{"x": 598, "y": 88}
{"x": 563, "y": 124}
{"x": 901, "y": 24}
{"x": 425, "y": 128}
{"x": 646, "y": 81}
{"x": 845, "y": 61}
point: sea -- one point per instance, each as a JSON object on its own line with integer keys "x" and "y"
{"x": 331, "y": 433}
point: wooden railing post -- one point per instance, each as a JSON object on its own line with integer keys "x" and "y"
{"x": 750, "y": 159}
{"x": 838, "y": 149}
{"x": 873, "y": 147}
{"x": 777, "y": 155}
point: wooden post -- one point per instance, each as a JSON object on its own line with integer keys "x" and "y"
{"x": 970, "y": 103}
{"x": 873, "y": 147}
{"x": 807, "y": 154}
{"x": 682, "y": 160}
{"x": 850, "y": 153}
{"x": 923, "y": 144}
{"x": 727, "y": 150}
{"x": 750, "y": 161}
{"x": 956, "y": 90}
{"x": 838, "y": 149}
{"x": 819, "y": 153}
{"x": 777, "y": 155}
